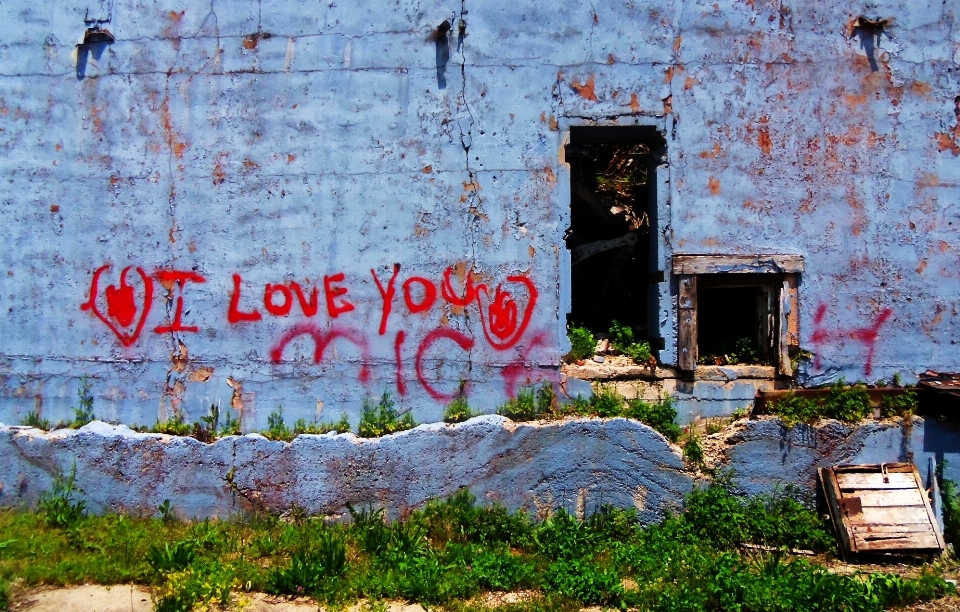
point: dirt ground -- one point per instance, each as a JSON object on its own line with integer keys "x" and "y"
{"x": 135, "y": 598}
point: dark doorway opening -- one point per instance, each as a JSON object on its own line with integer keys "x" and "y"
{"x": 736, "y": 321}
{"x": 612, "y": 208}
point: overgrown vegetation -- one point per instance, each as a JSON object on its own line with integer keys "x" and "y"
{"x": 382, "y": 418}
{"x": 621, "y": 337}
{"x": 542, "y": 404}
{"x": 950, "y": 494}
{"x": 843, "y": 403}
{"x": 582, "y": 343}
{"x": 451, "y": 550}
{"x": 458, "y": 411}
{"x": 740, "y": 351}
{"x": 83, "y": 413}
{"x": 903, "y": 405}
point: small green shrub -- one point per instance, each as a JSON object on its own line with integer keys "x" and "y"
{"x": 316, "y": 429}
{"x": 370, "y": 530}
{"x": 585, "y": 581}
{"x": 4, "y": 595}
{"x": 692, "y": 450}
{"x": 951, "y": 510}
{"x": 84, "y": 413}
{"x": 382, "y": 418}
{"x": 607, "y": 402}
{"x": 458, "y": 411}
{"x": 231, "y": 426}
{"x": 582, "y": 343}
{"x": 843, "y": 403}
{"x": 276, "y": 427}
{"x": 621, "y": 336}
{"x": 850, "y": 404}
{"x": 171, "y": 557}
{"x": 204, "y": 583}
{"x": 660, "y": 416}
{"x": 310, "y": 570}
{"x": 524, "y": 407}
{"x": 903, "y": 405}
{"x": 33, "y": 420}
{"x": 174, "y": 426}
{"x": 59, "y": 505}
{"x": 501, "y": 570}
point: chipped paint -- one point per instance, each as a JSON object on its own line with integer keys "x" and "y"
{"x": 284, "y": 168}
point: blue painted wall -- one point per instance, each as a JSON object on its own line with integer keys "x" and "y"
{"x": 291, "y": 141}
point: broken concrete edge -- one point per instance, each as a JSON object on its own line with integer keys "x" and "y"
{"x": 578, "y": 464}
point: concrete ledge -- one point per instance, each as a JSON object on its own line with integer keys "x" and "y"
{"x": 576, "y": 464}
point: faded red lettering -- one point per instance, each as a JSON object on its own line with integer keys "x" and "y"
{"x": 501, "y": 325}
{"x": 280, "y": 310}
{"x": 465, "y": 342}
{"x": 512, "y": 371}
{"x": 334, "y": 292}
{"x": 179, "y": 279}
{"x": 446, "y": 289}
{"x": 309, "y": 308}
{"x": 121, "y": 304}
{"x": 322, "y": 340}
{"x": 397, "y": 346}
{"x": 387, "y": 296}
{"x": 867, "y": 336}
{"x": 235, "y": 315}
{"x": 429, "y": 294}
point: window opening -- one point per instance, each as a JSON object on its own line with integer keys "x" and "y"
{"x": 737, "y": 310}
{"x": 735, "y": 323}
{"x": 612, "y": 203}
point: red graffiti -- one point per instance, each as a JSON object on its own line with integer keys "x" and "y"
{"x": 465, "y": 342}
{"x": 322, "y": 339}
{"x": 387, "y": 296}
{"x": 234, "y": 314}
{"x": 500, "y": 318}
{"x": 446, "y": 290}
{"x": 178, "y": 278}
{"x": 866, "y": 336}
{"x": 334, "y": 293}
{"x": 121, "y": 304}
{"x": 309, "y": 308}
{"x": 429, "y": 294}
{"x": 279, "y": 310}
{"x": 515, "y": 369}
{"x": 397, "y": 346}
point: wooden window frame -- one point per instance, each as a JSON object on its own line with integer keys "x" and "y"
{"x": 688, "y": 268}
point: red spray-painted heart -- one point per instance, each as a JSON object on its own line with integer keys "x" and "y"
{"x": 121, "y": 304}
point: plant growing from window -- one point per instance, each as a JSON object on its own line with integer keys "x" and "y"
{"x": 621, "y": 337}
{"x": 582, "y": 343}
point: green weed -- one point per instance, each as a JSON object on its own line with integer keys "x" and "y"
{"x": 524, "y": 407}
{"x": 692, "y": 450}
{"x": 59, "y": 505}
{"x": 951, "y": 508}
{"x": 83, "y": 413}
{"x": 660, "y": 416}
{"x": 302, "y": 427}
{"x": 33, "y": 420}
{"x": 582, "y": 343}
{"x": 276, "y": 427}
{"x": 904, "y": 405}
{"x": 621, "y": 336}
{"x": 382, "y": 418}
{"x": 174, "y": 426}
{"x": 843, "y": 403}
{"x": 458, "y": 411}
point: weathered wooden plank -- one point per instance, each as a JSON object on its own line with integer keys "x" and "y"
{"x": 737, "y": 264}
{"x": 901, "y": 515}
{"x": 831, "y": 491}
{"x": 784, "y": 365}
{"x": 793, "y": 320}
{"x": 905, "y": 468}
{"x": 876, "y": 481}
{"x": 887, "y": 498}
{"x": 687, "y": 341}
{"x": 912, "y": 541}
{"x": 903, "y": 528}
{"x": 930, "y": 515}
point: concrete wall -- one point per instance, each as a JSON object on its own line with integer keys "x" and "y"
{"x": 164, "y": 196}
{"x": 577, "y": 464}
